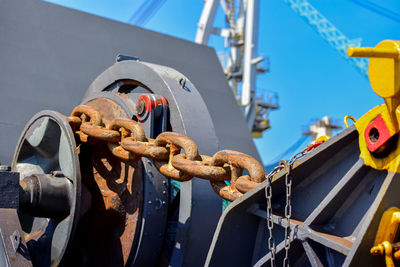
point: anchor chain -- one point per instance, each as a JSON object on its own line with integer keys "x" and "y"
{"x": 126, "y": 140}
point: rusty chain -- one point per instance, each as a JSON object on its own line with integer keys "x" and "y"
{"x": 126, "y": 140}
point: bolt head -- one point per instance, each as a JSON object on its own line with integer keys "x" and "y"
{"x": 141, "y": 106}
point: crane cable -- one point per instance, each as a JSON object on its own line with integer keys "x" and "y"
{"x": 378, "y": 9}
{"x": 145, "y": 12}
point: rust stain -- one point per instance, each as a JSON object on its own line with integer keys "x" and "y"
{"x": 108, "y": 233}
{"x": 340, "y": 240}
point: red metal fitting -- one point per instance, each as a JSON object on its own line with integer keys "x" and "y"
{"x": 376, "y": 134}
{"x": 314, "y": 145}
{"x": 146, "y": 105}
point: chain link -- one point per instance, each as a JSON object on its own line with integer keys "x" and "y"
{"x": 270, "y": 222}
{"x": 288, "y": 206}
{"x": 127, "y": 141}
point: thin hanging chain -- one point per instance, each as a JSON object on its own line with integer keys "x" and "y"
{"x": 270, "y": 222}
{"x": 288, "y": 214}
{"x": 288, "y": 207}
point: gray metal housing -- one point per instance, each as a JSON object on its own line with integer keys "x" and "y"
{"x": 337, "y": 204}
{"x": 51, "y": 54}
{"x": 189, "y": 116}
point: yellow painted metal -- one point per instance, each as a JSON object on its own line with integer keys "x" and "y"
{"x": 385, "y": 248}
{"x": 257, "y": 134}
{"x": 386, "y": 234}
{"x": 322, "y": 138}
{"x": 392, "y": 161}
{"x": 388, "y": 226}
{"x": 384, "y": 76}
{"x": 347, "y": 117}
{"x": 383, "y": 71}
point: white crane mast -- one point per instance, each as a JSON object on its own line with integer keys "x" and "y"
{"x": 242, "y": 66}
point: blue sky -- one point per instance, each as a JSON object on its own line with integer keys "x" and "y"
{"x": 311, "y": 78}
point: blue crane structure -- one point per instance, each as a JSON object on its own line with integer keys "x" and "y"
{"x": 329, "y": 32}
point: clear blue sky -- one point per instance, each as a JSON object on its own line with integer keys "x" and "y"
{"x": 311, "y": 78}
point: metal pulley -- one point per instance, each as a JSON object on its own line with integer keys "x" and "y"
{"x": 169, "y": 227}
{"x": 50, "y": 187}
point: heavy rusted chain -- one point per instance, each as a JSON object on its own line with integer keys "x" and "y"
{"x": 100, "y": 133}
{"x": 128, "y": 129}
{"x": 238, "y": 162}
{"x": 228, "y": 192}
{"x": 132, "y": 128}
{"x": 121, "y": 153}
{"x": 126, "y": 140}
{"x": 84, "y": 113}
{"x": 145, "y": 149}
{"x": 175, "y": 142}
{"x": 244, "y": 184}
{"x": 201, "y": 168}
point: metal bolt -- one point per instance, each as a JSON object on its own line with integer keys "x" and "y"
{"x": 159, "y": 203}
{"x": 164, "y": 192}
{"x": 149, "y": 202}
{"x": 182, "y": 82}
{"x": 141, "y": 106}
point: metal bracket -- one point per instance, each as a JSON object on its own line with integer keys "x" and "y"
{"x": 13, "y": 250}
{"x": 337, "y": 202}
{"x": 16, "y": 240}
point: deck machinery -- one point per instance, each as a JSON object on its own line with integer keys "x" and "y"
{"x": 92, "y": 189}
